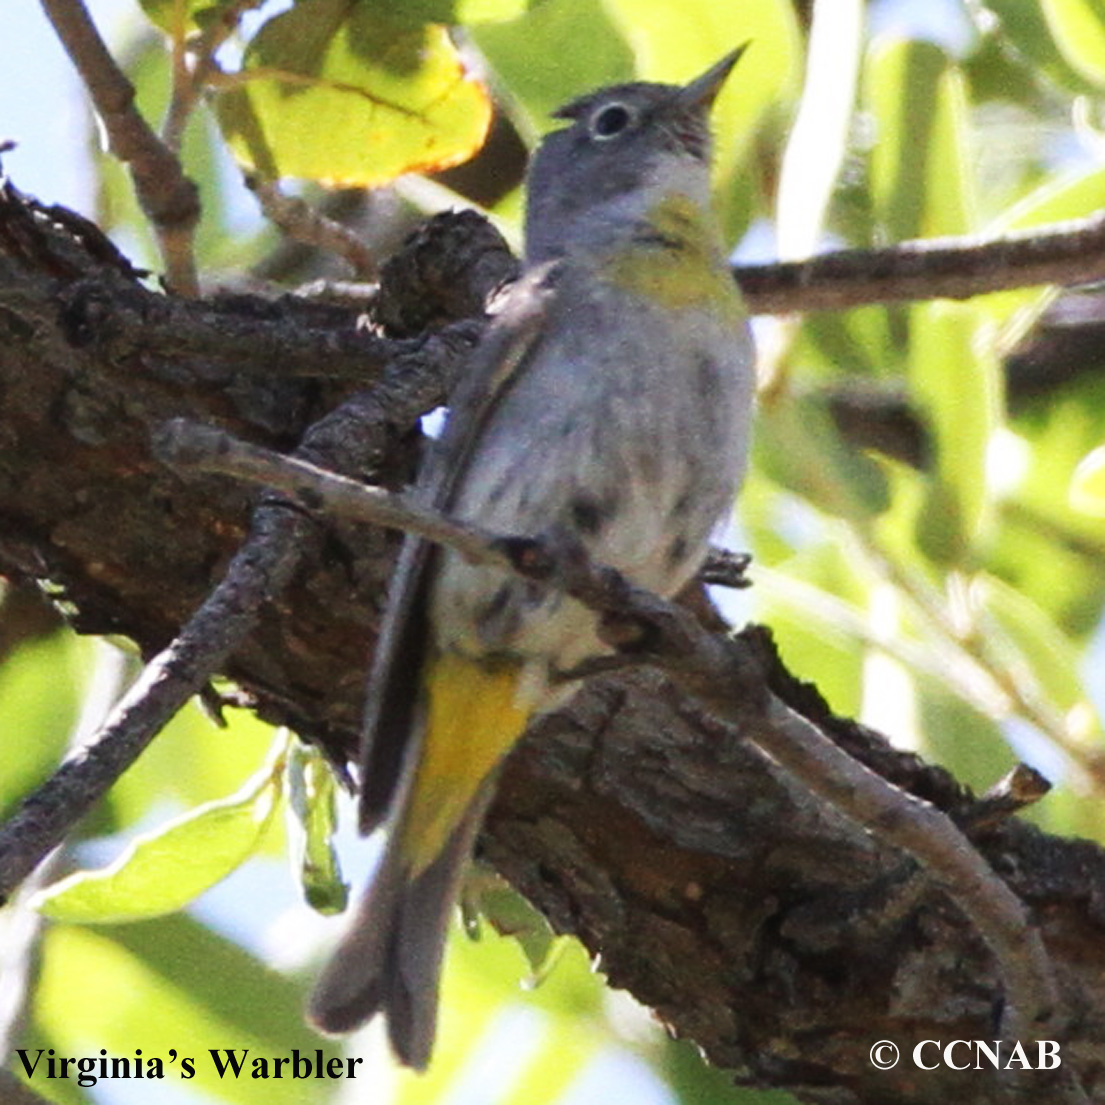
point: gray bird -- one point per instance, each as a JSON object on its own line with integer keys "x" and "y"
{"x": 610, "y": 399}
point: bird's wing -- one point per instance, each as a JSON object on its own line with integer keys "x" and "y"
{"x": 394, "y": 683}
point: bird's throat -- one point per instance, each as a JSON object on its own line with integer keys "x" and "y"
{"x": 673, "y": 258}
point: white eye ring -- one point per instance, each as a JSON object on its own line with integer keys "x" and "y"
{"x": 610, "y": 120}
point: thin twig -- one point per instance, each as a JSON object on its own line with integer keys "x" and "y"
{"x": 725, "y": 568}
{"x": 925, "y": 834}
{"x": 303, "y": 224}
{"x": 261, "y": 568}
{"x": 193, "y": 445}
{"x": 172, "y": 132}
{"x": 712, "y": 667}
{"x": 188, "y": 83}
{"x": 355, "y": 294}
{"x": 1018, "y": 789}
{"x": 947, "y": 268}
{"x": 169, "y": 199}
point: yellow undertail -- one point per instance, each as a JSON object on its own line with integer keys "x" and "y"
{"x": 473, "y": 720}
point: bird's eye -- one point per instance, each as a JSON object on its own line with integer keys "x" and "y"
{"x": 610, "y": 120}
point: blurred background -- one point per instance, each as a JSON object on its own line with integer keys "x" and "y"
{"x": 926, "y": 507}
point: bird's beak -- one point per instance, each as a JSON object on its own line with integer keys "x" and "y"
{"x": 701, "y": 91}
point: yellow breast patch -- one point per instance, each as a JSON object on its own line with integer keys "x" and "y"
{"x": 673, "y": 260}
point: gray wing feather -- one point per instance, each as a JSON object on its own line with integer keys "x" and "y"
{"x": 390, "y": 958}
{"x": 394, "y": 684}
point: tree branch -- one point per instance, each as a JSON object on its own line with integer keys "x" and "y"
{"x": 748, "y": 915}
{"x": 711, "y": 666}
{"x": 189, "y": 84}
{"x": 303, "y": 224}
{"x": 946, "y": 268}
{"x": 169, "y": 199}
{"x": 354, "y": 437}
{"x": 263, "y": 567}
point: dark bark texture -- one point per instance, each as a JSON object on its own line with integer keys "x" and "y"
{"x": 755, "y": 921}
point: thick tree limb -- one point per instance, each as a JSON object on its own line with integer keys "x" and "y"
{"x": 355, "y": 436}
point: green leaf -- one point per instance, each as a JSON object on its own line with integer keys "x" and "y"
{"x": 1039, "y": 655}
{"x": 163, "y": 871}
{"x": 413, "y": 12}
{"x": 1024, "y": 33}
{"x": 695, "y": 1082}
{"x": 1070, "y": 195}
{"x": 815, "y": 604}
{"x": 943, "y": 527}
{"x": 860, "y": 340}
{"x": 509, "y": 914}
{"x": 1087, "y": 488}
{"x": 40, "y": 685}
{"x": 567, "y": 1048}
{"x": 920, "y": 179}
{"x": 178, "y": 18}
{"x": 171, "y": 987}
{"x": 1051, "y": 563}
{"x": 311, "y": 809}
{"x": 192, "y": 762}
{"x": 798, "y": 445}
{"x": 1070, "y": 810}
{"x": 956, "y": 381}
{"x": 959, "y": 736}
{"x": 329, "y": 91}
{"x": 1078, "y": 28}
{"x": 480, "y": 984}
{"x": 538, "y": 60}
{"x": 1051, "y": 552}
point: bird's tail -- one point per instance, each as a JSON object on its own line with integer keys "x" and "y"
{"x": 390, "y": 958}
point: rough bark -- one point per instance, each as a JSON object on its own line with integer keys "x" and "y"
{"x": 755, "y": 921}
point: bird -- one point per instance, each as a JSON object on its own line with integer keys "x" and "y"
{"x": 609, "y": 400}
